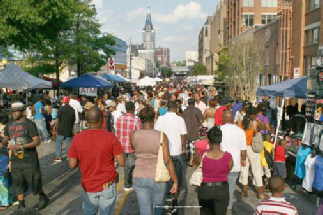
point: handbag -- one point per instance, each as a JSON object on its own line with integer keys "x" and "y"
{"x": 269, "y": 159}
{"x": 197, "y": 176}
{"x": 162, "y": 173}
{"x": 257, "y": 143}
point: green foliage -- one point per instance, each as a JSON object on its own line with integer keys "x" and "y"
{"x": 166, "y": 72}
{"x": 40, "y": 69}
{"x": 223, "y": 64}
{"x": 180, "y": 63}
{"x": 199, "y": 69}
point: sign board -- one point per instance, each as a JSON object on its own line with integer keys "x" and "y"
{"x": 111, "y": 66}
{"x": 92, "y": 92}
{"x": 296, "y": 72}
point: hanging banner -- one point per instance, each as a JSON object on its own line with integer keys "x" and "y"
{"x": 92, "y": 92}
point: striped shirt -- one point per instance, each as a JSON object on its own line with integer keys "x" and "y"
{"x": 275, "y": 206}
{"x": 124, "y": 126}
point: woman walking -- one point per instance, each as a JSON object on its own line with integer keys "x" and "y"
{"x": 145, "y": 142}
{"x": 213, "y": 194}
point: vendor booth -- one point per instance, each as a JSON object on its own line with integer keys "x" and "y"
{"x": 15, "y": 78}
{"x": 146, "y": 81}
{"x": 308, "y": 157}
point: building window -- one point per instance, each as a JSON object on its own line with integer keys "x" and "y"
{"x": 248, "y": 3}
{"x": 267, "y": 18}
{"x": 313, "y": 62}
{"x": 206, "y": 31}
{"x": 317, "y": 4}
{"x": 248, "y": 20}
{"x": 305, "y": 65}
{"x": 312, "y": 36}
{"x": 269, "y": 3}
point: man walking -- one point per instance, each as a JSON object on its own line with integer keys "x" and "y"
{"x": 94, "y": 150}
{"x": 40, "y": 119}
{"x": 234, "y": 142}
{"x": 175, "y": 129}
{"x": 64, "y": 126}
{"x": 23, "y": 138}
{"x": 76, "y": 105}
{"x": 226, "y": 105}
{"x": 193, "y": 118}
{"x": 199, "y": 103}
{"x": 124, "y": 126}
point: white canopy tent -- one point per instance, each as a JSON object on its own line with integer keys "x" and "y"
{"x": 158, "y": 79}
{"x": 146, "y": 81}
{"x": 15, "y": 78}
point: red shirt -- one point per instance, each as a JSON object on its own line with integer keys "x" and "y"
{"x": 280, "y": 154}
{"x": 95, "y": 151}
{"x": 218, "y": 115}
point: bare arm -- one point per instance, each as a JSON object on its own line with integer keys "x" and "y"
{"x": 231, "y": 165}
{"x": 183, "y": 139}
{"x": 121, "y": 159}
{"x": 73, "y": 163}
{"x": 169, "y": 164}
{"x": 243, "y": 157}
{"x": 197, "y": 159}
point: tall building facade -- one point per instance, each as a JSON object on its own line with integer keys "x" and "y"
{"x": 244, "y": 14}
{"x": 204, "y": 42}
{"x": 191, "y": 58}
{"x": 163, "y": 57}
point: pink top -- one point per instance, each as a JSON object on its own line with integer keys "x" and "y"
{"x": 215, "y": 170}
{"x": 202, "y": 145}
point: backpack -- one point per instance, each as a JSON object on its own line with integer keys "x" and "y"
{"x": 257, "y": 143}
{"x": 269, "y": 159}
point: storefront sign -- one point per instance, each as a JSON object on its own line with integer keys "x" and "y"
{"x": 92, "y": 92}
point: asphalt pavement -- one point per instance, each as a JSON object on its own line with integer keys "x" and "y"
{"x": 62, "y": 185}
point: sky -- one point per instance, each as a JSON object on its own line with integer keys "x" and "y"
{"x": 177, "y": 23}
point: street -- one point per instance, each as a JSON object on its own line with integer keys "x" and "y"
{"x": 65, "y": 192}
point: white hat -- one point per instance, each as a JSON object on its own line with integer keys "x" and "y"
{"x": 18, "y": 106}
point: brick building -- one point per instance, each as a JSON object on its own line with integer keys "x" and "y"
{"x": 244, "y": 14}
{"x": 162, "y": 55}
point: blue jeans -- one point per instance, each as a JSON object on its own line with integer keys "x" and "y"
{"x": 150, "y": 195}
{"x": 59, "y": 142}
{"x": 178, "y": 166}
{"x": 41, "y": 126}
{"x": 128, "y": 169}
{"x": 105, "y": 201}
{"x": 232, "y": 181}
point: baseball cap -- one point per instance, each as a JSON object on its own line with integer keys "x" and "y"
{"x": 17, "y": 106}
{"x": 66, "y": 99}
{"x": 112, "y": 104}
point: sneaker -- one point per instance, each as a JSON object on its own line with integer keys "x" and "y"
{"x": 128, "y": 189}
{"x": 43, "y": 202}
{"x": 58, "y": 160}
{"x": 48, "y": 141}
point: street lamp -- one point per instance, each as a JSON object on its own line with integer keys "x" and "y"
{"x": 211, "y": 70}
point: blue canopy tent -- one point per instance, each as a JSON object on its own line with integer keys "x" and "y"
{"x": 86, "y": 81}
{"x": 111, "y": 77}
{"x": 294, "y": 88}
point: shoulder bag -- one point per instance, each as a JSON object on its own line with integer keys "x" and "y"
{"x": 162, "y": 173}
{"x": 257, "y": 143}
{"x": 197, "y": 176}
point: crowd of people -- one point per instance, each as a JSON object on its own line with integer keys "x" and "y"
{"x": 126, "y": 128}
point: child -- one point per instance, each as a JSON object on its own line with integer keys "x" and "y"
{"x": 280, "y": 158}
{"x": 268, "y": 146}
{"x": 162, "y": 110}
{"x": 202, "y": 143}
{"x": 276, "y": 204}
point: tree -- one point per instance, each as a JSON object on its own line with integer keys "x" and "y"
{"x": 241, "y": 63}
{"x": 199, "y": 69}
{"x": 90, "y": 49}
{"x": 27, "y": 23}
{"x": 166, "y": 72}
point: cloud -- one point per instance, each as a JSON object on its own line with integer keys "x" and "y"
{"x": 103, "y": 15}
{"x": 98, "y": 4}
{"x": 139, "y": 12}
{"x": 176, "y": 39}
{"x": 188, "y": 28}
{"x": 188, "y": 11}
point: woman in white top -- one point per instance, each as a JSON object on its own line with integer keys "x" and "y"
{"x": 209, "y": 113}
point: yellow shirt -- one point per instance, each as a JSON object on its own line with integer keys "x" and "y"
{"x": 269, "y": 147}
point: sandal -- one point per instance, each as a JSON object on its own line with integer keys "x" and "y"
{"x": 4, "y": 208}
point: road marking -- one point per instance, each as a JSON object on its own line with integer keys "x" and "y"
{"x": 120, "y": 206}
{"x": 120, "y": 184}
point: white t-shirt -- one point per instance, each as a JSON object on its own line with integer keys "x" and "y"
{"x": 173, "y": 126}
{"x": 77, "y": 108}
{"x": 309, "y": 173}
{"x": 233, "y": 141}
{"x": 239, "y": 116}
{"x": 116, "y": 114}
{"x": 122, "y": 107}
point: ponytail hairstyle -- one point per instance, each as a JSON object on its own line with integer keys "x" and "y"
{"x": 247, "y": 118}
